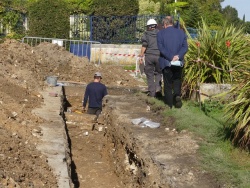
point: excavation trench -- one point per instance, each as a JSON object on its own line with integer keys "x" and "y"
{"x": 91, "y": 164}
{"x": 97, "y": 160}
{"x": 115, "y": 153}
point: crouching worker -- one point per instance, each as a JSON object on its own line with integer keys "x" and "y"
{"x": 94, "y": 93}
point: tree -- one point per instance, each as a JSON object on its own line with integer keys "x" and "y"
{"x": 170, "y": 7}
{"x": 115, "y": 8}
{"x": 147, "y": 7}
{"x": 192, "y": 16}
{"x": 49, "y": 18}
{"x": 231, "y": 15}
{"x": 209, "y": 11}
{"x": 247, "y": 27}
{"x": 11, "y": 16}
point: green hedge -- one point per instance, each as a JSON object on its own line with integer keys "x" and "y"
{"x": 49, "y": 18}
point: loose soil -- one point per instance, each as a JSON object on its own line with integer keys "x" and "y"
{"x": 23, "y": 73}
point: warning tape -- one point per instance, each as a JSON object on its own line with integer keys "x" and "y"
{"x": 124, "y": 55}
{"x": 132, "y": 71}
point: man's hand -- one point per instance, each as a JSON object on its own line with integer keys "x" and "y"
{"x": 141, "y": 58}
{"x": 83, "y": 109}
{"x": 175, "y": 58}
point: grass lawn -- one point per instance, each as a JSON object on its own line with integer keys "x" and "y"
{"x": 227, "y": 163}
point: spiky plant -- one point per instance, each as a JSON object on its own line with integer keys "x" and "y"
{"x": 238, "y": 111}
{"x": 214, "y": 55}
{"x": 223, "y": 57}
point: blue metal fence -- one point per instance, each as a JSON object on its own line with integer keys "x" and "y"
{"x": 112, "y": 29}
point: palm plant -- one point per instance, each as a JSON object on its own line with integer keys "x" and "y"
{"x": 238, "y": 111}
{"x": 214, "y": 55}
{"x": 223, "y": 57}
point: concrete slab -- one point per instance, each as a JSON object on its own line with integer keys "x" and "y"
{"x": 54, "y": 143}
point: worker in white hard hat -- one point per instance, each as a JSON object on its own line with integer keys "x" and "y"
{"x": 150, "y": 51}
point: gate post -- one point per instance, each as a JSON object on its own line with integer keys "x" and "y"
{"x": 91, "y": 27}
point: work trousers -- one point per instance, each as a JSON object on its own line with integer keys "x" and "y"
{"x": 97, "y": 111}
{"x": 172, "y": 84}
{"x": 153, "y": 74}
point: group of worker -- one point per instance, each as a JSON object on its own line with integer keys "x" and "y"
{"x": 163, "y": 50}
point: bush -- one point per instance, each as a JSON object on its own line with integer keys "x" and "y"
{"x": 49, "y": 18}
{"x": 115, "y": 8}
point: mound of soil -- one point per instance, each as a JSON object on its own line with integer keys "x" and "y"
{"x": 23, "y": 73}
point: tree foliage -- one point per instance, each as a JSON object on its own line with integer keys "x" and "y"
{"x": 80, "y": 6}
{"x": 192, "y": 15}
{"x": 191, "y": 11}
{"x": 147, "y": 7}
{"x": 11, "y": 17}
{"x": 115, "y": 8}
{"x": 231, "y": 15}
{"x": 49, "y": 18}
{"x": 247, "y": 27}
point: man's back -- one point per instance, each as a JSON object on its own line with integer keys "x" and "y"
{"x": 172, "y": 41}
{"x": 95, "y": 91}
{"x": 149, "y": 40}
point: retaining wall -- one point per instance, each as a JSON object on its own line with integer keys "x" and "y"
{"x": 114, "y": 53}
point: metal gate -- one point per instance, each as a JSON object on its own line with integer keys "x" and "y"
{"x": 111, "y": 29}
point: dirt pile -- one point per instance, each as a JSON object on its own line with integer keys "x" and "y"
{"x": 23, "y": 73}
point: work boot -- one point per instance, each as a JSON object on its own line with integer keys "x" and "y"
{"x": 158, "y": 95}
{"x": 178, "y": 103}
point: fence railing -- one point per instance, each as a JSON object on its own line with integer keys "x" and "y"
{"x": 107, "y": 30}
{"x": 112, "y": 29}
{"x": 80, "y": 48}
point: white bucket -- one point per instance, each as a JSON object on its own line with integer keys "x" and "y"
{"x": 52, "y": 80}
{"x": 58, "y": 42}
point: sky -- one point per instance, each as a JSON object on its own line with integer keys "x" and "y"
{"x": 242, "y": 6}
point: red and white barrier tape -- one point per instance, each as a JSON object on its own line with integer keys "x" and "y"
{"x": 124, "y": 55}
{"x": 132, "y": 71}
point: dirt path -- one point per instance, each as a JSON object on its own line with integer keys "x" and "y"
{"x": 91, "y": 167}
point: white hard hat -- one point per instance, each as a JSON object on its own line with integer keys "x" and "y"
{"x": 151, "y": 22}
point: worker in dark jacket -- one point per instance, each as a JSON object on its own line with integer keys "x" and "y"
{"x": 172, "y": 43}
{"x": 150, "y": 50}
{"x": 94, "y": 93}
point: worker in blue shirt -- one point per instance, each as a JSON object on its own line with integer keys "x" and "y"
{"x": 172, "y": 43}
{"x": 94, "y": 93}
